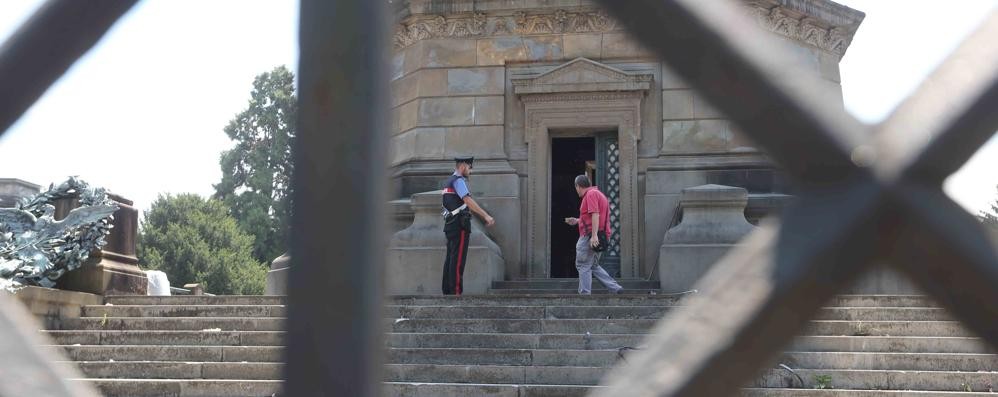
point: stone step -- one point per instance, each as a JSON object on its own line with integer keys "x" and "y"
{"x": 626, "y": 326}
{"x": 270, "y": 354}
{"x": 499, "y": 312}
{"x": 515, "y": 326}
{"x": 179, "y": 370}
{"x": 886, "y": 344}
{"x": 527, "y": 312}
{"x": 184, "y": 387}
{"x": 610, "y": 357}
{"x": 881, "y": 380}
{"x": 642, "y": 312}
{"x": 569, "y": 295}
{"x": 569, "y": 298}
{"x": 892, "y": 361}
{"x": 572, "y": 284}
{"x": 254, "y": 300}
{"x": 420, "y": 389}
{"x": 175, "y": 323}
{"x": 533, "y": 300}
{"x": 168, "y": 338}
{"x": 881, "y": 301}
{"x": 495, "y": 374}
{"x": 563, "y": 291}
{"x": 790, "y": 392}
{"x": 519, "y": 357}
{"x": 777, "y": 378}
{"x": 515, "y": 341}
{"x": 883, "y": 314}
{"x": 185, "y": 311}
{"x": 891, "y": 344}
{"x": 886, "y": 328}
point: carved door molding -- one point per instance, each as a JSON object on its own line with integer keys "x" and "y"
{"x": 582, "y": 94}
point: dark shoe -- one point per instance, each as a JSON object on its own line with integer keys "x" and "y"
{"x": 618, "y": 292}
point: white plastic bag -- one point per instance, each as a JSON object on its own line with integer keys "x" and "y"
{"x": 159, "y": 284}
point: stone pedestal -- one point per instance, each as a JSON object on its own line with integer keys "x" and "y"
{"x": 277, "y": 277}
{"x": 713, "y": 222}
{"x": 115, "y": 269}
{"x": 416, "y": 254}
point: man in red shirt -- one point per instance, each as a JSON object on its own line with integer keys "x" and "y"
{"x": 593, "y": 218}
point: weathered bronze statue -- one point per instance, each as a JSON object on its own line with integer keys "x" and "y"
{"x": 37, "y": 249}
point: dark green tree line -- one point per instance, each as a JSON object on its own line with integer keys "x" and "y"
{"x": 195, "y": 240}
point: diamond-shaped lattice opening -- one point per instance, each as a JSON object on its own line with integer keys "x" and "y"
{"x": 613, "y": 194}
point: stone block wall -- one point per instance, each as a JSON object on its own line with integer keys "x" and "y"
{"x": 445, "y": 103}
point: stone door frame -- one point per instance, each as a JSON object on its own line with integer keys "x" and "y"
{"x": 581, "y": 95}
{"x": 617, "y": 111}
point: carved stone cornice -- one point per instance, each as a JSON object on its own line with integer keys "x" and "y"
{"x": 795, "y": 25}
{"x": 819, "y": 23}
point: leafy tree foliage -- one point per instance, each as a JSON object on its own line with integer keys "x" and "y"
{"x": 193, "y": 239}
{"x": 990, "y": 218}
{"x": 256, "y": 173}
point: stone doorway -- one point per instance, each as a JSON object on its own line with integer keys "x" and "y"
{"x": 581, "y": 95}
{"x": 569, "y": 157}
{"x": 598, "y": 156}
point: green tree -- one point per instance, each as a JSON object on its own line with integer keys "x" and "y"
{"x": 256, "y": 172}
{"x": 195, "y": 240}
{"x": 990, "y": 218}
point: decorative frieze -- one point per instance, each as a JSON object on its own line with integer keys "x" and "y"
{"x": 481, "y": 25}
{"x": 440, "y": 26}
{"x": 807, "y": 30}
{"x": 775, "y": 18}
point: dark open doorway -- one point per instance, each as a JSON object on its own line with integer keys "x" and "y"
{"x": 569, "y": 158}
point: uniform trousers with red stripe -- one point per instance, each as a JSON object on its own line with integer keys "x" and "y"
{"x": 457, "y": 255}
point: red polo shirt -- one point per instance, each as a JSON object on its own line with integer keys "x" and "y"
{"x": 593, "y": 201}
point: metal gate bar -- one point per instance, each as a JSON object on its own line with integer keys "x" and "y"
{"x": 862, "y": 201}
{"x": 42, "y": 49}
{"x": 337, "y": 241}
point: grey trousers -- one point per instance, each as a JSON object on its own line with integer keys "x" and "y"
{"x": 585, "y": 262}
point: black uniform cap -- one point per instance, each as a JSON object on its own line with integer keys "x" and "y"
{"x": 468, "y": 160}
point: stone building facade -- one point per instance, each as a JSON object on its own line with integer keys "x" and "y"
{"x": 12, "y": 190}
{"x": 542, "y": 90}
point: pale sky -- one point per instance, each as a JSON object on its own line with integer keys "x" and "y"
{"x": 143, "y": 112}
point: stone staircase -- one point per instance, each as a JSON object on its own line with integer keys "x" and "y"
{"x": 526, "y": 339}
{"x": 537, "y": 344}
{"x": 179, "y": 345}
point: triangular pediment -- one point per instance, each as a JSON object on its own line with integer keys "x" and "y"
{"x": 582, "y": 70}
{"x": 583, "y": 74}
